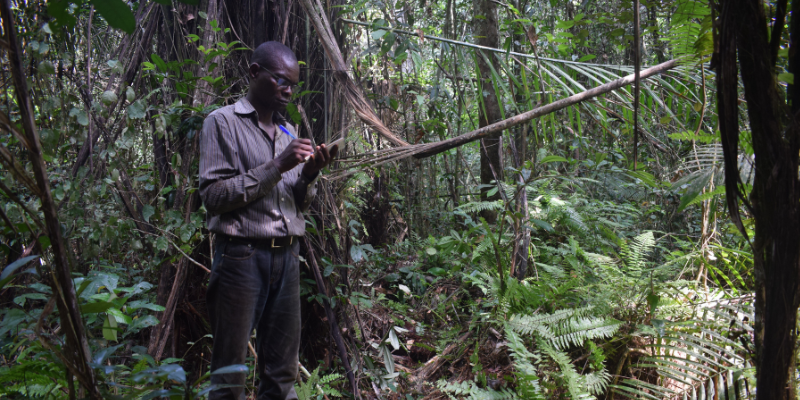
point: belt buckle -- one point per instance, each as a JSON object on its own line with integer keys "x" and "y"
{"x": 272, "y": 244}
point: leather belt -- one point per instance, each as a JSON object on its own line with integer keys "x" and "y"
{"x": 268, "y": 243}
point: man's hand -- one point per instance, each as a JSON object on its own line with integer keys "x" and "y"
{"x": 321, "y": 158}
{"x": 294, "y": 154}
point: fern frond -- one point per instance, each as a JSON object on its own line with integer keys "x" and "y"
{"x": 635, "y": 252}
{"x": 470, "y": 390}
{"x": 577, "y": 330}
{"x": 596, "y": 382}
{"x": 479, "y": 206}
{"x": 541, "y": 323}
{"x": 330, "y": 378}
{"x": 573, "y": 379}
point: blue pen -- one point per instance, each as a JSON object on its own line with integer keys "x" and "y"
{"x": 286, "y": 131}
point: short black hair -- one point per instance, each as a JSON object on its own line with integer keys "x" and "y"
{"x": 267, "y": 53}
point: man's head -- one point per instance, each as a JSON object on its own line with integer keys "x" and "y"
{"x": 273, "y": 71}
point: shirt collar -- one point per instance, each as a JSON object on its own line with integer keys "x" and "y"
{"x": 243, "y": 107}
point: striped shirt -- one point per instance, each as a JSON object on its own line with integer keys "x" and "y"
{"x": 243, "y": 191}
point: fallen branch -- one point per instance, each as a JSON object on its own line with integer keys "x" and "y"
{"x": 444, "y": 145}
{"x": 430, "y": 367}
{"x": 380, "y": 157}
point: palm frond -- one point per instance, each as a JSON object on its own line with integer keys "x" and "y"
{"x": 697, "y": 354}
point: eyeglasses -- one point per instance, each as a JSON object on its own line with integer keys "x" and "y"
{"x": 282, "y": 83}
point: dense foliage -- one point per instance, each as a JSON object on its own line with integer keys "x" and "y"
{"x": 598, "y": 261}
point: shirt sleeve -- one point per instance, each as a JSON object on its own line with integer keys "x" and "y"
{"x": 222, "y": 187}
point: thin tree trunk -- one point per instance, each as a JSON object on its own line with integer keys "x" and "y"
{"x": 75, "y": 354}
{"x": 491, "y": 147}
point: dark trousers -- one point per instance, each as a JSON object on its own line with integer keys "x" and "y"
{"x": 255, "y": 287}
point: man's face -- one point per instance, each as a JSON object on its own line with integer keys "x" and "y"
{"x": 264, "y": 83}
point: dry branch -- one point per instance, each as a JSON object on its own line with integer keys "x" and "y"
{"x": 352, "y": 93}
{"x": 426, "y": 371}
{"x": 384, "y": 156}
{"x": 444, "y": 145}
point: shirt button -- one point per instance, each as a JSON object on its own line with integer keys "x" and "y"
{"x": 281, "y": 198}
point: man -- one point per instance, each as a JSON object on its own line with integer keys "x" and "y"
{"x": 255, "y": 185}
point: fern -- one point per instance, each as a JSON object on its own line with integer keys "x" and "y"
{"x": 33, "y": 379}
{"x": 690, "y": 34}
{"x": 690, "y": 136}
{"x": 554, "y": 333}
{"x": 577, "y": 330}
{"x": 316, "y": 385}
{"x": 479, "y": 206}
{"x": 470, "y": 390}
{"x": 636, "y": 251}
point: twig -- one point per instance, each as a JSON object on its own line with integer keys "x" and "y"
{"x": 187, "y": 256}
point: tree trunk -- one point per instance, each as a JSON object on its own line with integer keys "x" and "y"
{"x": 776, "y": 191}
{"x": 74, "y": 352}
{"x": 491, "y": 147}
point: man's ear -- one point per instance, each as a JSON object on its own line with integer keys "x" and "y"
{"x": 254, "y": 70}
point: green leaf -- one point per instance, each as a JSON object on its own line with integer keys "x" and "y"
{"x": 646, "y": 177}
{"x": 786, "y": 77}
{"x": 96, "y": 307}
{"x": 108, "y": 97}
{"x": 147, "y": 212}
{"x": 394, "y": 340}
{"x": 46, "y": 67}
{"x": 10, "y": 268}
{"x": 159, "y": 62}
{"x": 119, "y": 316}
{"x": 144, "y": 322}
{"x": 652, "y": 300}
{"x": 161, "y": 244}
{"x": 565, "y": 24}
{"x": 135, "y": 305}
{"x": 80, "y": 115}
{"x": 550, "y": 159}
{"x": 58, "y": 10}
{"x": 186, "y": 234}
{"x": 587, "y": 57}
{"x": 232, "y": 369}
{"x": 294, "y": 114}
{"x": 110, "y": 328}
{"x": 542, "y": 224}
{"x": 431, "y": 251}
{"x": 378, "y": 34}
{"x": 116, "y": 13}
{"x": 130, "y": 94}
{"x": 137, "y": 110}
